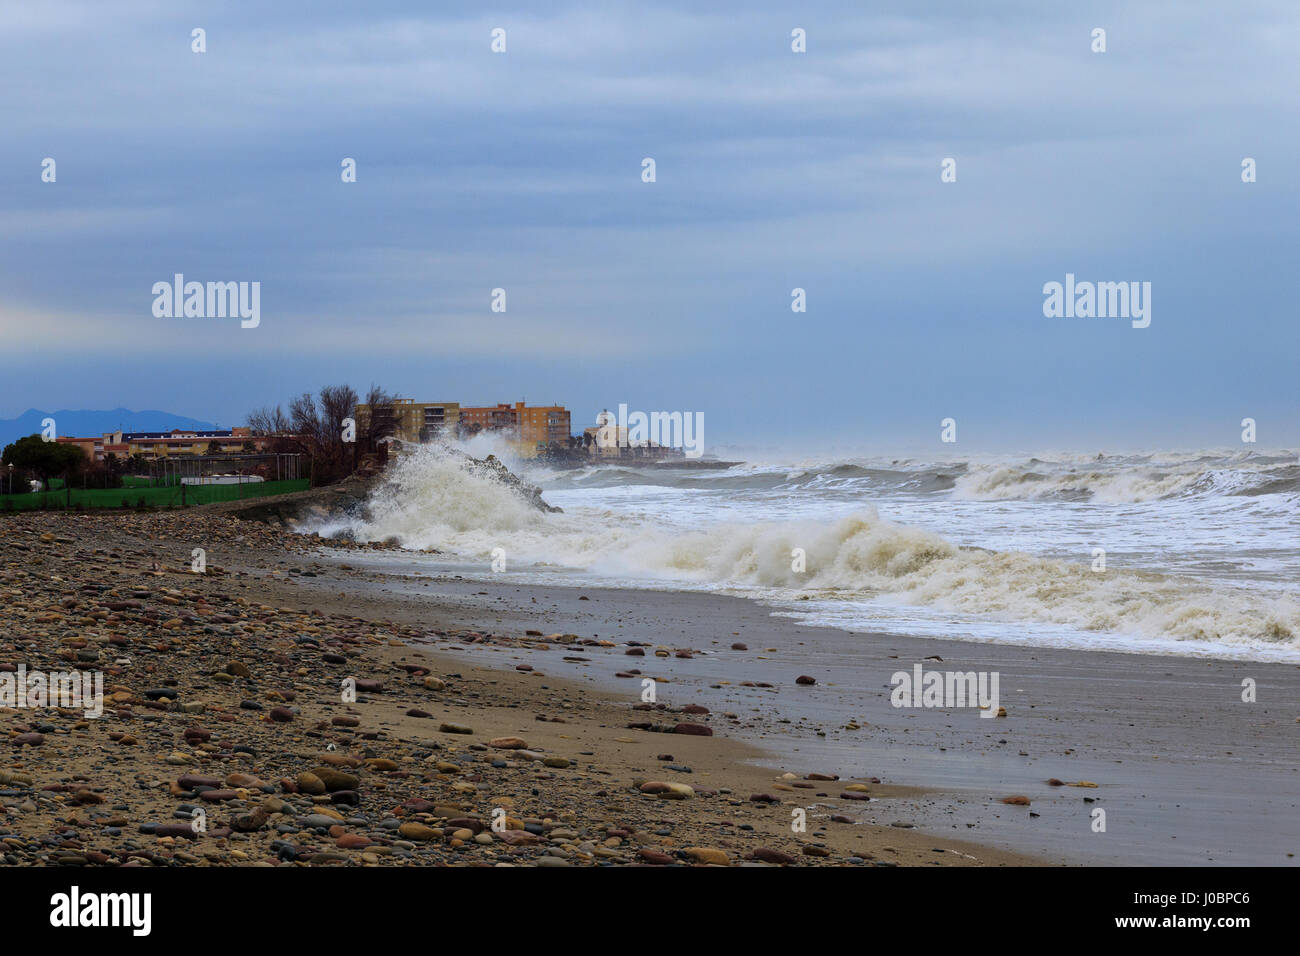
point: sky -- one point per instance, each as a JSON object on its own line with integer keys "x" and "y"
{"x": 774, "y": 170}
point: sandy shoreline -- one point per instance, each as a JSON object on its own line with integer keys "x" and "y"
{"x": 223, "y": 694}
{"x": 1187, "y": 773}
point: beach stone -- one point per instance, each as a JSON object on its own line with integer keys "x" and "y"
{"x": 418, "y": 832}
{"x": 472, "y": 824}
{"x": 315, "y": 820}
{"x": 249, "y": 822}
{"x": 697, "y": 730}
{"x": 190, "y": 781}
{"x": 508, "y": 743}
{"x": 448, "y": 728}
{"x": 805, "y": 680}
{"x": 713, "y": 857}
{"x": 336, "y": 779}
{"x": 217, "y": 796}
{"x": 175, "y": 830}
{"x": 310, "y": 783}
{"x": 769, "y": 855}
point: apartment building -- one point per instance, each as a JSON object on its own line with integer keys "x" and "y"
{"x": 413, "y": 421}
{"x": 531, "y": 430}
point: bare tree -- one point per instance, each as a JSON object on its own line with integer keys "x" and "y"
{"x": 318, "y": 427}
{"x": 268, "y": 422}
{"x": 313, "y": 426}
{"x": 382, "y": 421}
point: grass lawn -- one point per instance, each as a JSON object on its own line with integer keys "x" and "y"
{"x": 131, "y": 496}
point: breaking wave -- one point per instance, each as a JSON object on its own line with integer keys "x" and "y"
{"x": 431, "y": 502}
{"x": 1113, "y": 479}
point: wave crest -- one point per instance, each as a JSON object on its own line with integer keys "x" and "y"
{"x": 431, "y": 501}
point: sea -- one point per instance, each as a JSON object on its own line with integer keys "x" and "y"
{"x": 1189, "y": 553}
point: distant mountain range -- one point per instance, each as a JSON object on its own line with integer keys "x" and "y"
{"x": 88, "y": 423}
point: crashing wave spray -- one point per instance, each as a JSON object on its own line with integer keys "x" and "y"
{"x": 432, "y": 502}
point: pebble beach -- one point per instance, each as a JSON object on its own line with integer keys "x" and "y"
{"x": 251, "y": 721}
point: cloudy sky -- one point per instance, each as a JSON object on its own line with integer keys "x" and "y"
{"x": 775, "y": 170}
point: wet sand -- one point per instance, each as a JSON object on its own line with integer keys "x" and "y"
{"x": 1186, "y": 772}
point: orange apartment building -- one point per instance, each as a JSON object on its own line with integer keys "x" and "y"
{"x": 530, "y": 430}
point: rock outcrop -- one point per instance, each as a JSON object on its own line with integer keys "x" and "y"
{"x": 491, "y": 467}
{"x": 348, "y": 498}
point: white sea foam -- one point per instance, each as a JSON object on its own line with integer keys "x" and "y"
{"x": 716, "y": 530}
